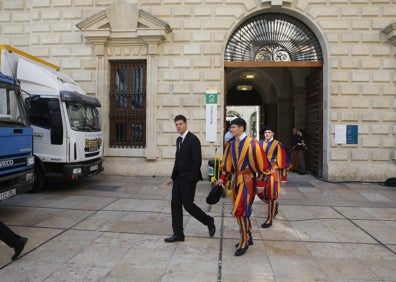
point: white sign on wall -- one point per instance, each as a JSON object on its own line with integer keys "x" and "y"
{"x": 346, "y": 134}
{"x": 340, "y": 134}
{"x": 211, "y": 115}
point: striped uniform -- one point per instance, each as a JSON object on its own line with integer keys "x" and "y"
{"x": 280, "y": 162}
{"x": 243, "y": 160}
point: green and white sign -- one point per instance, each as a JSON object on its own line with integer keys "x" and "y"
{"x": 211, "y": 115}
{"x": 211, "y": 98}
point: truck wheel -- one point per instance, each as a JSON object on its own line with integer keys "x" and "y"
{"x": 39, "y": 180}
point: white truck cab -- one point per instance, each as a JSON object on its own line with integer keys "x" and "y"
{"x": 67, "y": 134}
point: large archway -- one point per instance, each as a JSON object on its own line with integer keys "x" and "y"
{"x": 274, "y": 61}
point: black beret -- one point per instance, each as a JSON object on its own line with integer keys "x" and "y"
{"x": 268, "y": 128}
{"x": 214, "y": 195}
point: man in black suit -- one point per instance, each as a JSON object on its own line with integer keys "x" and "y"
{"x": 12, "y": 240}
{"x": 185, "y": 175}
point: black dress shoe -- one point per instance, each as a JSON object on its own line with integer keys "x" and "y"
{"x": 174, "y": 238}
{"x": 240, "y": 252}
{"x": 266, "y": 224}
{"x": 19, "y": 247}
{"x": 211, "y": 227}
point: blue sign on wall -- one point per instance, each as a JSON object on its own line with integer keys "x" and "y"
{"x": 352, "y": 134}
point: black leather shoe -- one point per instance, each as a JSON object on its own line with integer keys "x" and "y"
{"x": 240, "y": 252}
{"x": 174, "y": 238}
{"x": 266, "y": 224}
{"x": 211, "y": 227}
{"x": 19, "y": 247}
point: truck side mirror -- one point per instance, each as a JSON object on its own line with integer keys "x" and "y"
{"x": 28, "y": 105}
{"x": 55, "y": 120}
{"x": 53, "y": 105}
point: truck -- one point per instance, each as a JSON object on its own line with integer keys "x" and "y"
{"x": 67, "y": 134}
{"x": 16, "y": 138}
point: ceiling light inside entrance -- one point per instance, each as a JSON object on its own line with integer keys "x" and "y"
{"x": 244, "y": 87}
{"x": 249, "y": 75}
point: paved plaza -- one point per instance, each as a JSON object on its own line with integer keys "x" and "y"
{"x": 112, "y": 228}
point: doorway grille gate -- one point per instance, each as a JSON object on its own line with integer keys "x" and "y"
{"x": 273, "y": 37}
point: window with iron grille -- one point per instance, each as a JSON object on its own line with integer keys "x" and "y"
{"x": 128, "y": 103}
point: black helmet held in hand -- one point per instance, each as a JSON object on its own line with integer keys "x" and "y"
{"x": 215, "y": 194}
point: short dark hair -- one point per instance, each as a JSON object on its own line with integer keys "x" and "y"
{"x": 239, "y": 122}
{"x": 180, "y": 117}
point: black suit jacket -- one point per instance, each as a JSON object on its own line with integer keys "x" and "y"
{"x": 188, "y": 159}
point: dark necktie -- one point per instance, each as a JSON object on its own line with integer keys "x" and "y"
{"x": 179, "y": 142}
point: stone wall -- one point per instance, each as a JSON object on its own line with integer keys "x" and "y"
{"x": 359, "y": 71}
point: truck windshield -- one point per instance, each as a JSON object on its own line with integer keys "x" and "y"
{"x": 11, "y": 107}
{"x": 83, "y": 117}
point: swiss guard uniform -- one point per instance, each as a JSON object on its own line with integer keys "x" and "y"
{"x": 243, "y": 159}
{"x": 280, "y": 162}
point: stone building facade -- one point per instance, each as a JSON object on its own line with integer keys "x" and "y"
{"x": 190, "y": 46}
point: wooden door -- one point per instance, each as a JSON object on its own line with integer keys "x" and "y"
{"x": 314, "y": 122}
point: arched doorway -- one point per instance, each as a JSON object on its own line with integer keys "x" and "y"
{"x": 274, "y": 61}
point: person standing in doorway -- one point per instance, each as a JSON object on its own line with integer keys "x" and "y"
{"x": 185, "y": 175}
{"x": 243, "y": 158}
{"x": 301, "y": 148}
{"x": 280, "y": 161}
{"x": 13, "y": 240}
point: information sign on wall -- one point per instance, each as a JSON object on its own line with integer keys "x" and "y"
{"x": 211, "y": 115}
{"x": 346, "y": 134}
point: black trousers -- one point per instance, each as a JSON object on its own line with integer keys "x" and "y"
{"x": 301, "y": 161}
{"x": 183, "y": 193}
{"x": 8, "y": 236}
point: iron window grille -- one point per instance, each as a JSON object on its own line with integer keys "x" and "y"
{"x": 128, "y": 103}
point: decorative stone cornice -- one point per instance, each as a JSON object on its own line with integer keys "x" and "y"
{"x": 123, "y": 23}
{"x": 276, "y": 2}
{"x": 390, "y": 33}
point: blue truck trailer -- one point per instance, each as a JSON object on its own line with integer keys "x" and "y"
{"x": 16, "y": 139}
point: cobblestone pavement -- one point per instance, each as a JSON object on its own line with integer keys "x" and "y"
{"x": 112, "y": 228}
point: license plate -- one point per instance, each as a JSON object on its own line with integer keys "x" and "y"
{"x": 92, "y": 168}
{"x": 7, "y": 194}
